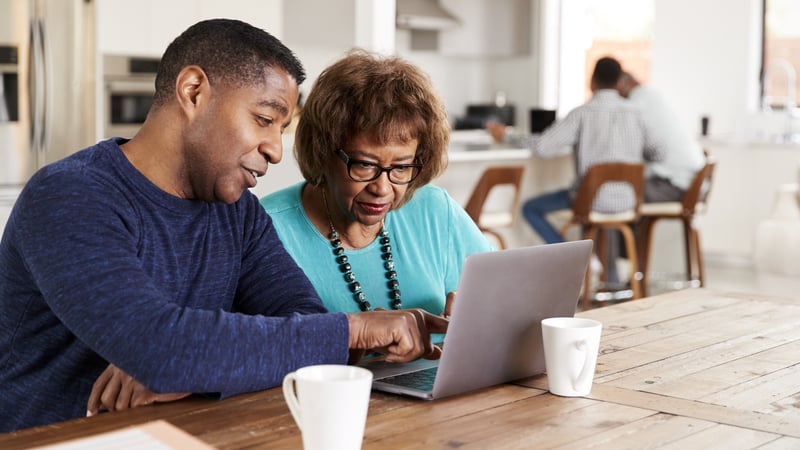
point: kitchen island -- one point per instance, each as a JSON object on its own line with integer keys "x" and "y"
{"x": 468, "y": 160}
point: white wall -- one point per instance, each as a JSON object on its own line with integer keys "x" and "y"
{"x": 706, "y": 59}
{"x": 146, "y": 27}
{"x": 471, "y": 79}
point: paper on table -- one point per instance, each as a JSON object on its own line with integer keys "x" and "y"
{"x": 156, "y": 435}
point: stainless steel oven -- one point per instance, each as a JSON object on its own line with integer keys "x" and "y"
{"x": 129, "y": 89}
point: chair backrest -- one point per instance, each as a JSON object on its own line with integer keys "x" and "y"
{"x": 698, "y": 190}
{"x": 599, "y": 174}
{"x": 491, "y": 177}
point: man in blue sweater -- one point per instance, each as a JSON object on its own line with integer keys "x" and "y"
{"x": 151, "y": 255}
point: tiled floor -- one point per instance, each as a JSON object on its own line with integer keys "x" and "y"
{"x": 743, "y": 280}
{"x": 748, "y": 280}
{"x": 727, "y": 278}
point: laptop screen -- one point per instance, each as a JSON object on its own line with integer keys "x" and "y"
{"x": 541, "y": 119}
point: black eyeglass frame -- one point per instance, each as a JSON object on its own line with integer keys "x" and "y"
{"x": 350, "y": 161}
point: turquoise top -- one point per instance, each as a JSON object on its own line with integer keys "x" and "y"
{"x": 430, "y": 237}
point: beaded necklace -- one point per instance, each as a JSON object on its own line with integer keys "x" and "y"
{"x": 347, "y": 269}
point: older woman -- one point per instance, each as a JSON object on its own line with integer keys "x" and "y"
{"x": 365, "y": 226}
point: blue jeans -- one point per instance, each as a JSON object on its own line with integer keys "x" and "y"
{"x": 535, "y": 211}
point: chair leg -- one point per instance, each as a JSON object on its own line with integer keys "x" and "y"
{"x": 644, "y": 244}
{"x": 695, "y": 262}
{"x": 496, "y": 235}
{"x": 586, "y": 296}
{"x": 688, "y": 248}
{"x": 630, "y": 246}
{"x": 601, "y": 250}
{"x": 698, "y": 256}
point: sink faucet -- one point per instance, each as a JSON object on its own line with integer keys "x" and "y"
{"x": 789, "y": 102}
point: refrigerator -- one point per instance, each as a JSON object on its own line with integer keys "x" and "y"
{"x": 47, "y": 87}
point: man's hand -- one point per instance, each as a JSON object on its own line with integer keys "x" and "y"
{"x": 116, "y": 390}
{"x": 403, "y": 335}
{"x": 496, "y": 129}
{"x": 448, "y": 305}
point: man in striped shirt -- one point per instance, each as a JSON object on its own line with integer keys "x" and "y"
{"x": 605, "y": 129}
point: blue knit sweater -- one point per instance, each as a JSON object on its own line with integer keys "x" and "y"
{"x": 99, "y": 265}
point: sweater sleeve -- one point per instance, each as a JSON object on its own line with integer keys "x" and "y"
{"x": 265, "y": 261}
{"x": 76, "y": 242}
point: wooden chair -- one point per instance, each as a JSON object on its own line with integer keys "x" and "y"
{"x": 489, "y": 221}
{"x": 593, "y": 222}
{"x": 692, "y": 203}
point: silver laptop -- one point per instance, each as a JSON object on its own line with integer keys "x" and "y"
{"x": 495, "y": 333}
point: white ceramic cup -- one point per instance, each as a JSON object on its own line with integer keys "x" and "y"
{"x": 329, "y": 404}
{"x": 570, "y": 352}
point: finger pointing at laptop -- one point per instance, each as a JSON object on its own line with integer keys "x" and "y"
{"x": 403, "y": 335}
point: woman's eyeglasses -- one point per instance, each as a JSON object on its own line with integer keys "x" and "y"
{"x": 359, "y": 170}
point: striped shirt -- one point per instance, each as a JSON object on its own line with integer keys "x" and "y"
{"x": 605, "y": 129}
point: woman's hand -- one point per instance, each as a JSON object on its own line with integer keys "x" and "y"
{"x": 116, "y": 390}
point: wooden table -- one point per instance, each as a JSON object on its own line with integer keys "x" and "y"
{"x": 689, "y": 369}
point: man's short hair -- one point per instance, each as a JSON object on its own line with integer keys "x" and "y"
{"x": 606, "y": 72}
{"x": 231, "y": 52}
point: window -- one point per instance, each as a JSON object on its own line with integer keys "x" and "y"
{"x": 781, "y": 58}
{"x": 592, "y": 29}
{"x": 623, "y": 29}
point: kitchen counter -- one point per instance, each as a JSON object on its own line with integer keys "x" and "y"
{"x": 492, "y": 152}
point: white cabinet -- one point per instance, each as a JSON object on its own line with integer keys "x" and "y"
{"x": 146, "y": 27}
{"x": 488, "y": 28}
{"x": 747, "y": 179}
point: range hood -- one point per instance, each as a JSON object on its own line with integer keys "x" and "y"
{"x": 424, "y": 15}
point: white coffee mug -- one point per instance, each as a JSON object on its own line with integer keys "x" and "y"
{"x": 570, "y": 352}
{"x": 329, "y": 404}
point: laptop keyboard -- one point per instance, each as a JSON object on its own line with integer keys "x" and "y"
{"x": 421, "y": 379}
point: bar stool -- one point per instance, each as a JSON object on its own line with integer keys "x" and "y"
{"x": 489, "y": 221}
{"x": 692, "y": 203}
{"x": 593, "y": 222}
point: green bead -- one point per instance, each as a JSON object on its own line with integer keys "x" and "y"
{"x": 349, "y": 277}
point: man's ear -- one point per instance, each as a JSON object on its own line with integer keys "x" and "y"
{"x": 192, "y": 89}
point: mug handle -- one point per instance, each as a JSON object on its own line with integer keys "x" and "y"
{"x": 291, "y": 397}
{"x": 582, "y": 377}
